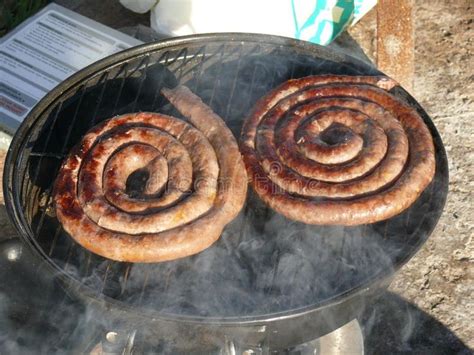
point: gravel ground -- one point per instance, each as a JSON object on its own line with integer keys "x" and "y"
{"x": 439, "y": 279}
{"x": 430, "y": 301}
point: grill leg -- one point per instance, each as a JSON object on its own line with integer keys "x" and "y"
{"x": 115, "y": 343}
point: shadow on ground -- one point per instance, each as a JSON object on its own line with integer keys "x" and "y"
{"x": 394, "y": 326}
{"x": 6, "y": 228}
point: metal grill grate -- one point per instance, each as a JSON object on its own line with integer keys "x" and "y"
{"x": 229, "y": 76}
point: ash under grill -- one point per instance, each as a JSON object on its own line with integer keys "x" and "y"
{"x": 264, "y": 266}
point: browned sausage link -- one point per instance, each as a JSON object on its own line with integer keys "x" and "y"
{"x": 106, "y": 215}
{"x": 291, "y": 86}
{"x": 369, "y": 156}
{"x": 330, "y": 137}
{"x": 385, "y": 172}
{"x": 302, "y": 149}
{"x": 181, "y": 211}
{"x": 169, "y": 175}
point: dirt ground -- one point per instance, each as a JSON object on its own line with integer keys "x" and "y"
{"x": 439, "y": 279}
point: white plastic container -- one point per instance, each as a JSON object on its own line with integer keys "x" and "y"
{"x": 317, "y": 21}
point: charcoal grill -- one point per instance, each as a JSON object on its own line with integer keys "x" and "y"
{"x": 268, "y": 280}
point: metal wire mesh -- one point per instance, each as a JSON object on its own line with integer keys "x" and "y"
{"x": 229, "y": 77}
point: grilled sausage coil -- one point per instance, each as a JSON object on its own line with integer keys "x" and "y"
{"x": 338, "y": 150}
{"x": 196, "y": 183}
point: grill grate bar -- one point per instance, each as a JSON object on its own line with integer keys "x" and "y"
{"x": 274, "y": 76}
{"x": 125, "y": 278}
{"x": 292, "y": 71}
{"x": 57, "y": 109}
{"x": 198, "y": 76}
{"x": 49, "y": 190}
{"x": 167, "y": 280}
{"x": 163, "y": 59}
{"x": 179, "y": 70}
{"x": 274, "y": 271}
{"x": 234, "y": 82}
{"x": 144, "y": 62}
{"x": 386, "y": 229}
{"x": 123, "y": 70}
{"x": 103, "y": 81}
{"x": 189, "y": 65}
{"x": 175, "y": 58}
{"x": 189, "y": 68}
{"x": 37, "y": 170}
{"x": 48, "y": 155}
{"x": 69, "y": 254}
{"x": 409, "y": 212}
{"x": 145, "y": 284}
{"x": 73, "y": 120}
{"x": 55, "y": 240}
{"x": 219, "y": 72}
{"x": 88, "y": 263}
{"x": 106, "y": 274}
{"x": 252, "y": 85}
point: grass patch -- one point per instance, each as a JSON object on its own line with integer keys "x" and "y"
{"x": 14, "y": 12}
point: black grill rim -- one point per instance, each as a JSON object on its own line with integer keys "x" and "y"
{"x": 12, "y": 180}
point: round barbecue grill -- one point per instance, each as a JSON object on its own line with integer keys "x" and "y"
{"x": 268, "y": 280}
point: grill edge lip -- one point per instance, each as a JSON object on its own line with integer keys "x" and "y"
{"x": 11, "y": 178}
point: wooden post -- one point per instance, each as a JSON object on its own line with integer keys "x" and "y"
{"x": 395, "y": 40}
